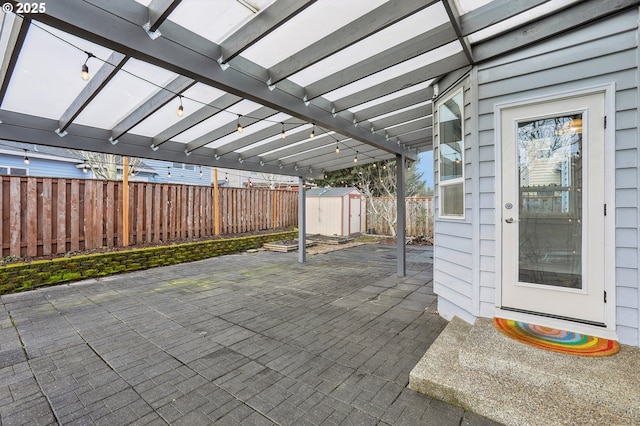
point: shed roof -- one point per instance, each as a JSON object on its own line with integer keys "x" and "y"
{"x": 360, "y": 75}
{"x": 331, "y": 192}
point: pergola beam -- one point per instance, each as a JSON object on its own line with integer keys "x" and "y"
{"x": 14, "y": 32}
{"x": 454, "y": 19}
{"x": 410, "y": 49}
{"x": 560, "y": 22}
{"x": 260, "y": 26}
{"x": 38, "y": 130}
{"x": 104, "y": 26}
{"x": 197, "y": 117}
{"x": 368, "y": 24}
{"x": 414, "y": 77}
{"x": 159, "y": 11}
{"x": 157, "y": 101}
{"x": 494, "y": 12}
{"x": 99, "y": 81}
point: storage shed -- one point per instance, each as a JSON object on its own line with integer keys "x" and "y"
{"x": 335, "y": 211}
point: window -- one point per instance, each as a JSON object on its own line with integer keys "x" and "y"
{"x": 184, "y": 166}
{"x": 451, "y": 156}
{"x": 14, "y": 171}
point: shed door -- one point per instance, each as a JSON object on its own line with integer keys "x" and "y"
{"x": 354, "y": 214}
{"x": 553, "y": 212}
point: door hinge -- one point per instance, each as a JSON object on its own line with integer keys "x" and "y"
{"x": 605, "y": 297}
{"x": 605, "y": 209}
{"x": 605, "y": 121}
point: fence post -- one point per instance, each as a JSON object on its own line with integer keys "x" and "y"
{"x": 125, "y": 201}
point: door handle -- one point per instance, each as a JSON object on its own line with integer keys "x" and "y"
{"x": 509, "y": 220}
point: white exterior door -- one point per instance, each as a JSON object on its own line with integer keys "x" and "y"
{"x": 553, "y": 209}
{"x": 354, "y": 214}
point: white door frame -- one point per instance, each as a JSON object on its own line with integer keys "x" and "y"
{"x": 609, "y": 187}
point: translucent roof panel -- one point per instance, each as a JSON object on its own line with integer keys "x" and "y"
{"x": 312, "y": 24}
{"x": 243, "y": 107}
{"x": 396, "y": 71}
{"x": 46, "y": 79}
{"x": 520, "y": 19}
{"x": 249, "y": 129}
{"x": 193, "y": 99}
{"x": 465, "y": 6}
{"x": 215, "y": 19}
{"x": 391, "y": 114}
{"x": 388, "y": 38}
{"x": 391, "y": 96}
{"x": 124, "y": 93}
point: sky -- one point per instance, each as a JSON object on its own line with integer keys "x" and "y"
{"x": 426, "y": 167}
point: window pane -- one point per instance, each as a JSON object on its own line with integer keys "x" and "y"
{"x": 450, "y": 137}
{"x": 4, "y": 171}
{"x": 18, "y": 171}
{"x": 452, "y": 200}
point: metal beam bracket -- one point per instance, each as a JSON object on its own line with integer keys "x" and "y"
{"x": 152, "y": 34}
{"x": 113, "y": 141}
{"x": 61, "y": 134}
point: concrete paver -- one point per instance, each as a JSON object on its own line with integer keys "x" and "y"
{"x": 251, "y": 339}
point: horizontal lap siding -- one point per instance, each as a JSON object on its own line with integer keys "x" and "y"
{"x": 453, "y": 239}
{"x": 599, "y": 54}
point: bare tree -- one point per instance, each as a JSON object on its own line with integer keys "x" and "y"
{"x": 105, "y": 166}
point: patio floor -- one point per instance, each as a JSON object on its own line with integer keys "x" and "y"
{"x": 250, "y": 339}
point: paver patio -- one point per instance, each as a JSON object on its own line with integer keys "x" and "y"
{"x": 251, "y": 339}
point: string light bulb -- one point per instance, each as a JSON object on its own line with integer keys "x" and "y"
{"x": 283, "y": 134}
{"x": 180, "y": 108}
{"x": 169, "y": 172}
{"x": 26, "y": 158}
{"x": 200, "y": 171}
{"x": 85, "y": 169}
{"x": 355, "y": 159}
{"x": 239, "y": 127}
{"x": 85, "y": 68}
{"x": 337, "y": 148}
{"x": 226, "y": 178}
{"x": 313, "y": 131}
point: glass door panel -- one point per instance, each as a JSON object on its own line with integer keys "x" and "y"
{"x": 550, "y": 201}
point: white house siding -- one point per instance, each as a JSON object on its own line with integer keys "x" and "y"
{"x": 454, "y": 239}
{"x": 599, "y": 54}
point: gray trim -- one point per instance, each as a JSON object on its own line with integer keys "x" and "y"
{"x": 260, "y": 26}
{"x": 99, "y": 81}
{"x": 368, "y": 24}
{"x": 454, "y": 18}
{"x": 157, "y": 101}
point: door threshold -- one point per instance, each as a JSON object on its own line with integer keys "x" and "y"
{"x": 559, "y": 323}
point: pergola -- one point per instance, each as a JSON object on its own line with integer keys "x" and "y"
{"x": 313, "y": 85}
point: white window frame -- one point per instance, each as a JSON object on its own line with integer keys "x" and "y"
{"x": 456, "y": 181}
{"x": 11, "y": 168}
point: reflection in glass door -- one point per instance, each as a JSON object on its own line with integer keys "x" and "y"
{"x": 550, "y": 201}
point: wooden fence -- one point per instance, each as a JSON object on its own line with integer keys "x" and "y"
{"x": 42, "y": 216}
{"x": 419, "y": 216}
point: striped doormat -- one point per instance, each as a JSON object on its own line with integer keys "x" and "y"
{"x": 551, "y": 339}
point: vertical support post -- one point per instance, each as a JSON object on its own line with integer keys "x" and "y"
{"x": 125, "y": 201}
{"x": 302, "y": 225}
{"x": 216, "y": 203}
{"x": 401, "y": 213}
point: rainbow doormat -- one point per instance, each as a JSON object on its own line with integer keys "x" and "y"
{"x": 551, "y": 339}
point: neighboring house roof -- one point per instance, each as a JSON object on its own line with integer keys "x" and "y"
{"x": 331, "y": 192}
{"x": 56, "y": 154}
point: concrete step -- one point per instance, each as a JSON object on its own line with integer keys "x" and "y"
{"x": 484, "y": 371}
